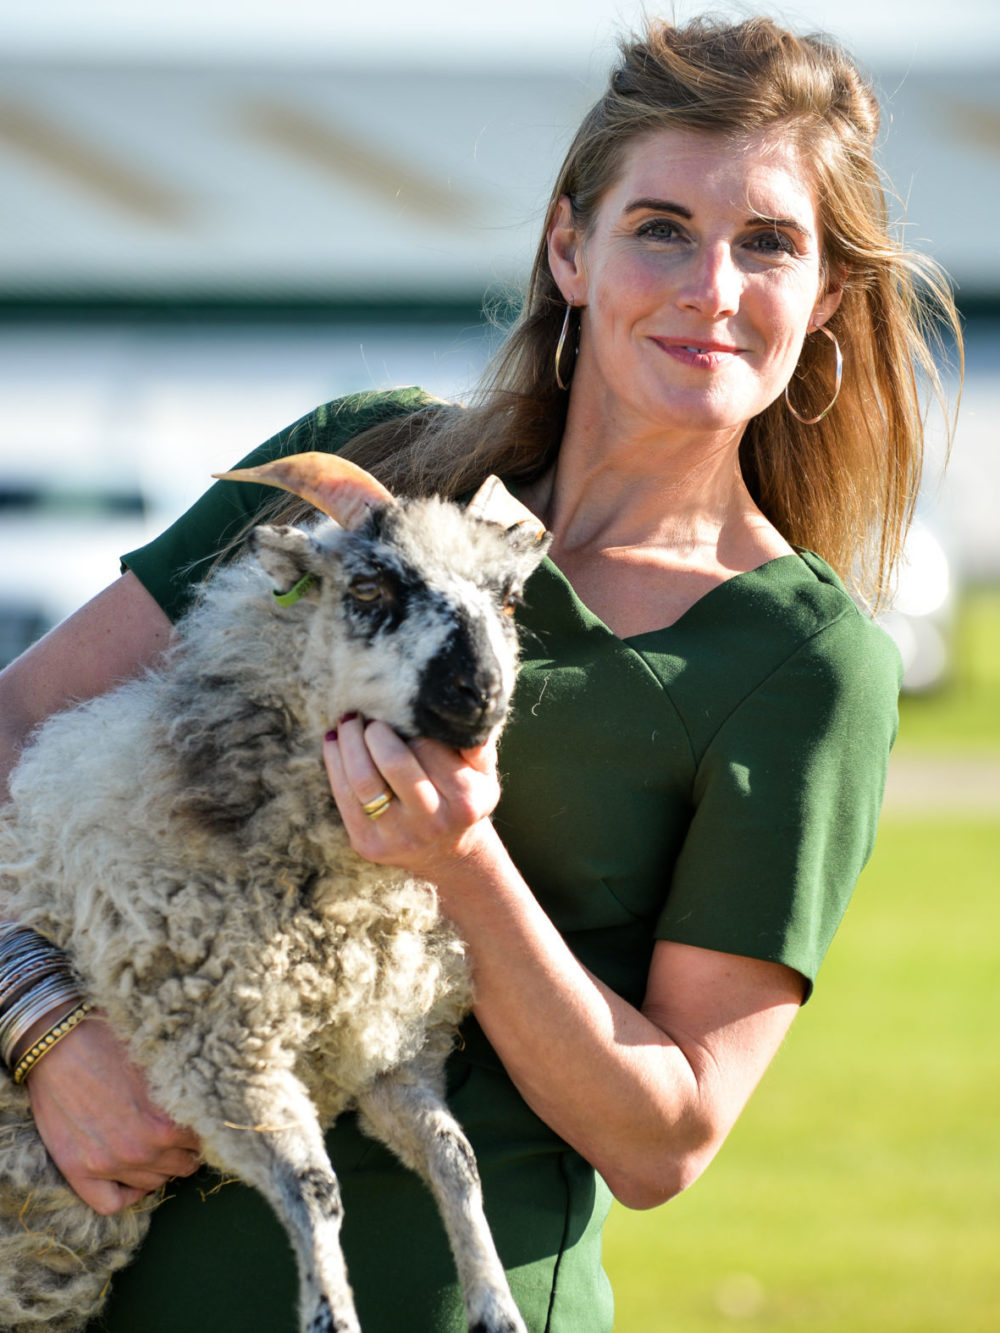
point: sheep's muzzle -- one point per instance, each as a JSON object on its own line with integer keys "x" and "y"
{"x": 463, "y": 697}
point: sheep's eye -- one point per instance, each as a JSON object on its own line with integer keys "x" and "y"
{"x": 366, "y": 589}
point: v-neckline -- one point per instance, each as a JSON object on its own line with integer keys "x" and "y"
{"x": 633, "y": 639}
{"x": 547, "y": 563}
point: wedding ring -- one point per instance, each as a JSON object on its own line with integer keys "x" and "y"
{"x": 378, "y": 806}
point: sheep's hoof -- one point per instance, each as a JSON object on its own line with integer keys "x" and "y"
{"x": 323, "y": 1321}
{"x": 497, "y": 1323}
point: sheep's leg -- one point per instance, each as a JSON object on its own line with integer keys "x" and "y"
{"x": 273, "y": 1141}
{"x": 405, "y": 1111}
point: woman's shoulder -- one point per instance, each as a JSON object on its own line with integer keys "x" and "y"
{"x": 828, "y": 656}
{"x": 827, "y": 620}
{"x": 779, "y": 609}
{"x": 784, "y": 640}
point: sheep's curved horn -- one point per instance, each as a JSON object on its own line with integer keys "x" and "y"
{"x": 335, "y": 486}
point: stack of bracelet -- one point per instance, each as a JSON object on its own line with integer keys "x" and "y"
{"x": 36, "y": 981}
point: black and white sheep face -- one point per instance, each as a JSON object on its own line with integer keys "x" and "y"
{"x": 411, "y": 617}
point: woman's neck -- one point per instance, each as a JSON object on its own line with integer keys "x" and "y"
{"x": 645, "y": 526}
{"x": 619, "y": 484}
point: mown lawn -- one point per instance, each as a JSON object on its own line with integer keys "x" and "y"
{"x": 861, "y": 1190}
{"x": 965, "y": 715}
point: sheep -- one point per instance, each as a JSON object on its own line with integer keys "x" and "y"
{"x": 177, "y": 839}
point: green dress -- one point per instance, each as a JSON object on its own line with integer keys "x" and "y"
{"x": 715, "y": 783}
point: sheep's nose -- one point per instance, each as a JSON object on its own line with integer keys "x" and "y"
{"x": 462, "y": 695}
{"x": 466, "y": 699}
{"x": 477, "y": 694}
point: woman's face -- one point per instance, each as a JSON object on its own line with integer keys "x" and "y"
{"x": 698, "y": 281}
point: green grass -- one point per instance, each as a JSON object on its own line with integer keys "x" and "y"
{"x": 860, "y": 1191}
{"x": 965, "y": 715}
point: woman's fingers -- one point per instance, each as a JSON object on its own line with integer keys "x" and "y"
{"x": 370, "y": 760}
{"x": 93, "y": 1112}
{"x": 421, "y": 786}
{"x": 354, "y": 779}
{"x": 107, "y": 1197}
{"x": 426, "y": 777}
{"x": 468, "y": 777}
{"x": 437, "y": 794}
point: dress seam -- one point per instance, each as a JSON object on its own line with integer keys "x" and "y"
{"x": 779, "y": 666}
{"x": 563, "y": 1242}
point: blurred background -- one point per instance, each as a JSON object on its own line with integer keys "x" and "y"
{"x": 217, "y": 215}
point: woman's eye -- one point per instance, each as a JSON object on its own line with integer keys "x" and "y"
{"x": 658, "y": 229}
{"x": 773, "y": 243}
{"x": 366, "y": 589}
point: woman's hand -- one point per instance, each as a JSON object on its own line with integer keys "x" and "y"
{"x": 93, "y": 1112}
{"x": 442, "y": 798}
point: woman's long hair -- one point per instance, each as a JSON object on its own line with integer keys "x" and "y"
{"x": 845, "y": 487}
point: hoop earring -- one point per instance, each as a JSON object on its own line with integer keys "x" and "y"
{"x": 839, "y": 375}
{"x": 562, "y": 343}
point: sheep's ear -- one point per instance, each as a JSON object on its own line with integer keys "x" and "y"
{"x": 494, "y": 503}
{"x": 288, "y": 555}
{"x": 528, "y": 547}
{"x": 335, "y": 486}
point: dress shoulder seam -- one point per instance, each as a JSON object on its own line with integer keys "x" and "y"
{"x": 799, "y": 647}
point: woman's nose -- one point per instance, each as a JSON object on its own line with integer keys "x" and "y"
{"x": 713, "y": 283}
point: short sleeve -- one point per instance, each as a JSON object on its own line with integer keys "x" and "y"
{"x": 786, "y": 801}
{"x": 171, "y": 566}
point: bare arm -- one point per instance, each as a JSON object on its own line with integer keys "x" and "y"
{"x": 89, "y": 1102}
{"x": 647, "y": 1096}
{"x": 110, "y": 639}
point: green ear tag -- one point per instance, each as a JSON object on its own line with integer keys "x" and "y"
{"x": 296, "y": 591}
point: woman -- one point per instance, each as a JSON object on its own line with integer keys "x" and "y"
{"x": 692, "y": 777}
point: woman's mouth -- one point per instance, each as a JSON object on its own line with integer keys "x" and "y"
{"x": 704, "y": 356}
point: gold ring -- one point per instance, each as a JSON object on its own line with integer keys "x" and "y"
{"x": 378, "y": 806}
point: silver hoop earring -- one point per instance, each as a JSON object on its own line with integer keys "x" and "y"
{"x": 562, "y": 343}
{"x": 839, "y": 375}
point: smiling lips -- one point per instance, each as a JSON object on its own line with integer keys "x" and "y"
{"x": 704, "y": 355}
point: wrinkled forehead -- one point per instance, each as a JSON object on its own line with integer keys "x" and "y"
{"x": 766, "y": 172}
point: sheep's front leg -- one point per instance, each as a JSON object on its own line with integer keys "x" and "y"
{"x": 272, "y": 1140}
{"x": 406, "y": 1113}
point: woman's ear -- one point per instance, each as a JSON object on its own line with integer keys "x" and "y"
{"x": 829, "y": 301}
{"x": 566, "y": 253}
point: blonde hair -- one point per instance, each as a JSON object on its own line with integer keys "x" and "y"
{"x": 845, "y": 487}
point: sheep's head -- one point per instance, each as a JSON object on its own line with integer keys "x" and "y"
{"x": 410, "y": 604}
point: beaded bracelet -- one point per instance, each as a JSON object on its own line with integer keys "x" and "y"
{"x": 54, "y": 1035}
{"x": 35, "y": 979}
{"x": 58, "y": 992}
